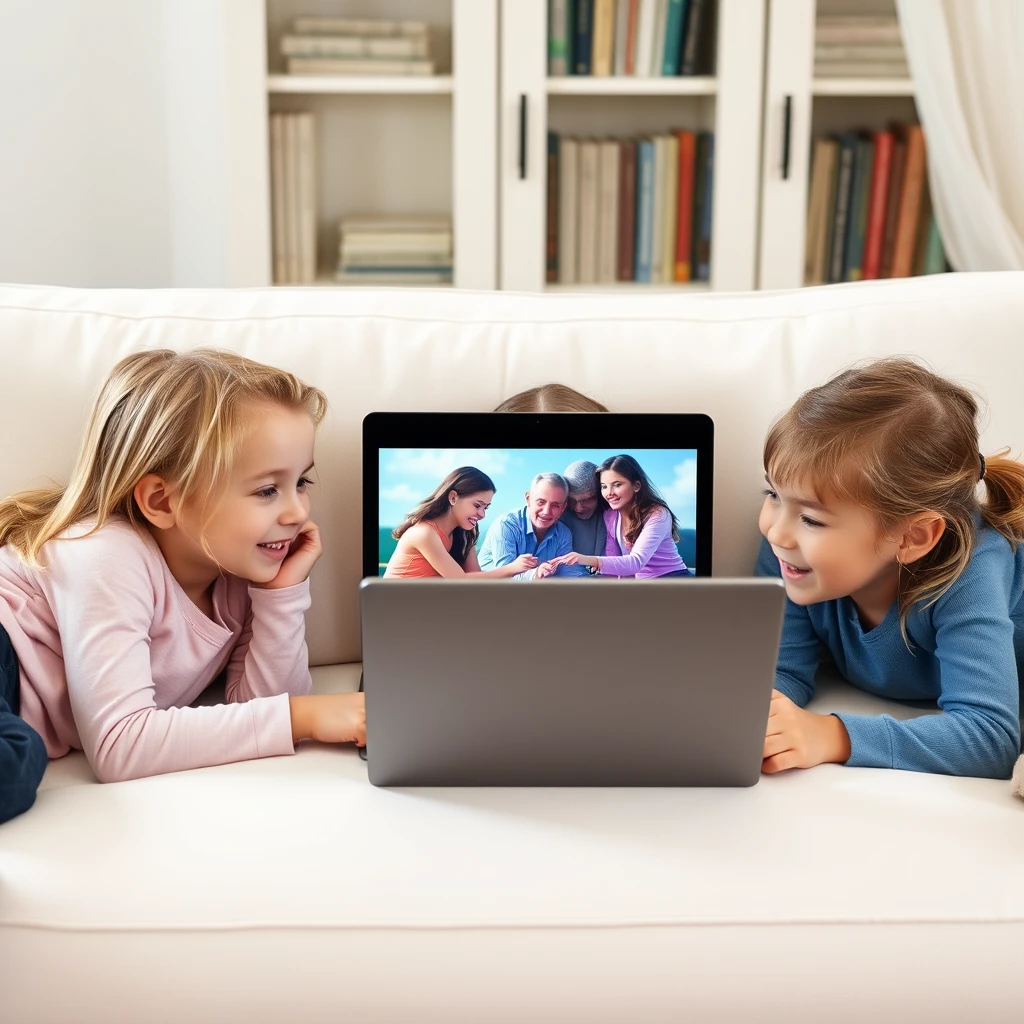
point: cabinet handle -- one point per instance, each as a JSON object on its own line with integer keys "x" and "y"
{"x": 522, "y": 135}
{"x": 786, "y": 128}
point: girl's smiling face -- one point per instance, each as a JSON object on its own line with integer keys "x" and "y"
{"x": 470, "y": 508}
{"x": 617, "y": 490}
{"x": 828, "y": 549}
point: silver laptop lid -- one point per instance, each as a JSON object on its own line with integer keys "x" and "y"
{"x": 568, "y": 682}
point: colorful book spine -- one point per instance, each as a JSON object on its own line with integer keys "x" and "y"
{"x": 935, "y": 256}
{"x": 875, "y": 233}
{"x": 627, "y": 211}
{"x": 644, "y": 210}
{"x": 559, "y": 25}
{"x": 841, "y": 207}
{"x": 632, "y": 19}
{"x": 551, "y": 262}
{"x": 684, "y": 226}
{"x": 863, "y": 160}
{"x": 694, "y": 58}
{"x": 675, "y": 25}
{"x": 703, "y": 248}
{"x": 892, "y": 210}
{"x": 583, "y": 36}
{"x": 602, "y": 46}
{"x": 910, "y": 203}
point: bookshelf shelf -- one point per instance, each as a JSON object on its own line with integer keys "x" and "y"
{"x": 573, "y": 85}
{"x": 337, "y": 85}
{"x": 630, "y": 286}
{"x": 855, "y": 87}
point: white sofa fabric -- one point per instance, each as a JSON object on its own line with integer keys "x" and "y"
{"x": 291, "y": 886}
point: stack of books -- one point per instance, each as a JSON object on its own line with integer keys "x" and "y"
{"x": 631, "y": 37}
{"x": 630, "y": 210}
{"x": 869, "y": 211}
{"x": 395, "y": 251}
{"x": 351, "y": 46}
{"x": 859, "y": 46}
{"x": 293, "y": 197}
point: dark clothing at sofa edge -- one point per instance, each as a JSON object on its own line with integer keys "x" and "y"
{"x": 23, "y": 757}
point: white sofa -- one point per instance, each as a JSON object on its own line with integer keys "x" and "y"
{"x": 289, "y": 888}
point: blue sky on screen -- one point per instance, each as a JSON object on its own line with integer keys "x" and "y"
{"x": 408, "y": 475}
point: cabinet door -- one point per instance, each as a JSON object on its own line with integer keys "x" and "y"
{"x": 787, "y": 140}
{"x": 522, "y": 167}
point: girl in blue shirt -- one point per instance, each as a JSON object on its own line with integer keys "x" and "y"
{"x": 873, "y": 520}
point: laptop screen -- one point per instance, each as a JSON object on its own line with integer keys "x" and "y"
{"x": 588, "y": 507}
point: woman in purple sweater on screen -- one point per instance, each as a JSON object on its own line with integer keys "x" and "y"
{"x": 642, "y": 530}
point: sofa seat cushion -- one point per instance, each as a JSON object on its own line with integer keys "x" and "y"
{"x": 285, "y": 863}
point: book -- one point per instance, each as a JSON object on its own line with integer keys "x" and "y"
{"x": 559, "y": 32}
{"x": 293, "y": 244}
{"x": 934, "y": 257}
{"x": 658, "y": 50}
{"x": 683, "y": 270}
{"x": 875, "y": 232}
{"x": 841, "y": 206}
{"x": 819, "y": 209}
{"x": 632, "y": 20}
{"x": 358, "y": 27}
{"x": 645, "y": 32}
{"x": 670, "y": 210}
{"x": 306, "y": 197}
{"x": 909, "y": 203}
{"x": 702, "y": 249}
{"x": 622, "y": 36}
{"x": 602, "y": 47}
{"x": 863, "y": 69}
{"x": 277, "y": 197}
{"x": 697, "y": 39}
{"x": 892, "y": 210}
{"x": 589, "y": 202}
{"x": 675, "y": 25}
{"x": 551, "y": 247}
{"x": 924, "y": 218}
{"x": 627, "y": 210}
{"x": 583, "y": 35}
{"x": 568, "y": 210}
{"x": 863, "y": 164}
{"x": 608, "y": 212}
{"x": 699, "y": 188}
{"x": 825, "y": 53}
{"x": 357, "y": 66}
{"x": 355, "y": 46}
{"x": 658, "y": 208}
{"x": 644, "y": 210}
{"x": 404, "y": 279}
{"x": 856, "y": 29}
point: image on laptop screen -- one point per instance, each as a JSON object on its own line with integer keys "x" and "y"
{"x": 553, "y": 495}
{"x": 527, "y": 499}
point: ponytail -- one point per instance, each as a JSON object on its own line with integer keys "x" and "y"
{"x": 1003, "y": 508}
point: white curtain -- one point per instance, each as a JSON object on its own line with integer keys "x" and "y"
{"x": 967, "y": 61}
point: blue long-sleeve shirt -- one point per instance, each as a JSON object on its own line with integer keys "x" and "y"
{"x": 513, "y": 535}
{"x": 964, "y": 654}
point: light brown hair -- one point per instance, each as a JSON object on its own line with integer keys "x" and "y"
{"x": 180, "y": 415}
{"x": 898, "y": 439}
{"x": 550, "y": 398}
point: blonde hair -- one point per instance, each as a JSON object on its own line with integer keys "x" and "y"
{"x": 179, "y": 415}
{"x": 550, "y": 398}
{"x": 898, "y": 439}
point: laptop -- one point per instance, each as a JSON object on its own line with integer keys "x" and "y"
{"x": 576, "y": 679}
{"x": 568, "y": 683}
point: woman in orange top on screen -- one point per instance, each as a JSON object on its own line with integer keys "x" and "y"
{"x": 438, "y": 538}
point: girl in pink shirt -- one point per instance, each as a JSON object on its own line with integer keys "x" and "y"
{"x": 180, "y": 549}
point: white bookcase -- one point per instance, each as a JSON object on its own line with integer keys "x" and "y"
{"x": 531, "y": 104}
{"x": 815, "y": 106}
{"x": 384, "y": 145}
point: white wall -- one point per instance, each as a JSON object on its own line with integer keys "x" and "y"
{"x": 116, "y": 144}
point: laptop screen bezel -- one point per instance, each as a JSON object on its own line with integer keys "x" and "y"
{"x": 618, "y": 432}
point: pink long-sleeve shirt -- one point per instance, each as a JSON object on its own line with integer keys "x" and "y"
{"x": 112, "y": 651}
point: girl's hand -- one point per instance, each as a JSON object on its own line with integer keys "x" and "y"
{"x": 796, "y": 738}
{"x": 329, "y": 718}
{"x": 524, "y": 563}
{"x": 295, "y": 569}
{"x": 544, "y": 570}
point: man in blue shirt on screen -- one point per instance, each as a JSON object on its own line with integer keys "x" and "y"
{"x": 532, "y": 530}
